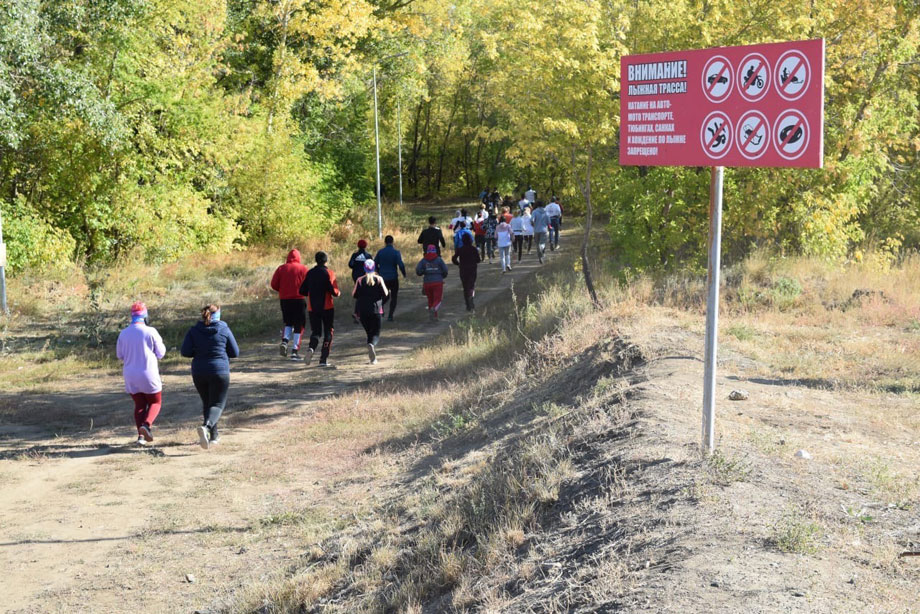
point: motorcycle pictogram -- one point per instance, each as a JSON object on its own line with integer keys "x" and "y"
{"x": 786, "y": 77}
{"x": 758, "y": 82}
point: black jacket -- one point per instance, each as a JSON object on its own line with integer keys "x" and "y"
{"x": 432, "y": 236}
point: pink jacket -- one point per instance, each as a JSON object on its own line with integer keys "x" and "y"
{"x": 139, "y": 348}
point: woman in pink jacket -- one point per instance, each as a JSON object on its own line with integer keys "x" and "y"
{"x": 139, "y": 348}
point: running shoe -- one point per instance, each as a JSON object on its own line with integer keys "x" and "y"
{"x": 295, "y": 356}
{"x": 204, "y": 437}
{"x": 140, "y": 441}
{"x": 372, "y": 353}
{"x": 144, "y": 431}
{"x": 283, "y": 347}
{"x": 310, "y": 355}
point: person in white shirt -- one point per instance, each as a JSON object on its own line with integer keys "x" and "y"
{"x": 517, "y": 228}
{"x": 554, "y": 211}
{"x": 504, "y": 237}
{"x": 530, "y": 195}
{"x": 527, "y": 223}
{"x": 523, "y": 203}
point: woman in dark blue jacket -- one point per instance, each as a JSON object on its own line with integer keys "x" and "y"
{"x": 210, "y": 345}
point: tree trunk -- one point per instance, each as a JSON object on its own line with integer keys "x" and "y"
{"x": 586, "y": 241}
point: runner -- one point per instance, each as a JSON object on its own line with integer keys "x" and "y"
{"x": 286, "y": 282}
{"x": 540, "y": 225}
{"x": 369, "y": 293}
{"x": 461, "y": 232}
{"x": 530, "y": 195}
{"x": 504, "y": 238}
{"x": 356, "y": 264}
{"x": 389, "y": 265}
{"x": 554, "y": 212}
{"x": 139, "y": 347}
{"x": 433, "y": 270}
{"x": 517, "y": 227}
{"x": 523, "y": 203}
{"x": 432, "y": 236}
{"x": 210, "y": 345}
{"x": 506, "y": 215}
{"x": 479, "y": 232}
{"x": 320, "y": 287}
{"x": 527, "y": 220}
{"x": 458, "y": 217}
{"x": 491, "y": 226}
{"x": 467, "y": 259}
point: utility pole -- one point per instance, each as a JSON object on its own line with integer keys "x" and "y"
{"x": 377, "y": 146}
{"x": 3, "y": 305}
{"x": 399, "y": 149}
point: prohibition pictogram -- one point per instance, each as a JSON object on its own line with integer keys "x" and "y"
{"x": 717, "y": 78}
{"x": 753, "y": 77}
{"x": 793, "y": 73}
{"x": 716, "y": 134}
{"x": 790, "y": 134}
{"x": 753, "y": 134}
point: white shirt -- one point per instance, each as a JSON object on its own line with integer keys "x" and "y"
{"x": 517, "y": 225}
{"x": 530, "y": 195}
{"x": 527, "y": 223}
{"x": 503, "y": 235}
{"x": 523, "y": 203}
{"x": 553, "y": 210}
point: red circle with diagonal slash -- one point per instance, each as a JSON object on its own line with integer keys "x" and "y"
{"x": 716, "y": 74}
{"x": 759, "y": 69}
{"x": 714, "y": 128}
{"x": 786, "y": 134}
{"x": 753, "y": 135}
{"x": 791, "y": 80}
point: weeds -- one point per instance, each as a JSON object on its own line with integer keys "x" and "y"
{"x": 796, "y": 533}
{"x": 726, "y": 470}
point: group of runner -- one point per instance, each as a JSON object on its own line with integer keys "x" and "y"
{"x": 307, "y": 296}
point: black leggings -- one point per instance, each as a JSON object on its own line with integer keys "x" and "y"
{"x": 518, "y": 245}
{"x": 371, "y": 323}
{"x": 212, "y": 388}
{"x": 528, "y": 241}
{"x": 393, "y": 287}
{"x": 321, "y": 326}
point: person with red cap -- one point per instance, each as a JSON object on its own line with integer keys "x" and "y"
{"x": 286, "y": 282}
{"x": 369, "y": 292}
{"x": 356, "y": 264}
{"x": 139, "y": 347}
{"x": 432, "y": 270}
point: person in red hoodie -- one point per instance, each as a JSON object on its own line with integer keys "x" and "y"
{"x": 286, "y": 282}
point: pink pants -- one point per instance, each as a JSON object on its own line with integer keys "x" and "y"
{"x": 146, "y": 407}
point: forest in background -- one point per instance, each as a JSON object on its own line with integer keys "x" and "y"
{"x": 158, "y": 128}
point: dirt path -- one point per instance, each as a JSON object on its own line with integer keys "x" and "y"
{"x": 91, "y": 523}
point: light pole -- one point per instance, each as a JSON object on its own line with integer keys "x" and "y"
{"x": 377, "y": 146}
{"x": 399, "y": 149}
{"x": 3, "y": 305}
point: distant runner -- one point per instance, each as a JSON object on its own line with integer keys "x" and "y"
{"x": 320, "y": 287}
{"x": 210, "y": 344}
{"x": 517, "y": 228}
{"x": 554, "y": 211}
{"x": 530, "y": 195}
{"x": 491, "y": 225}
{"x": 389, "y": 266}
{"x": 467, "y": 259}
{"x": 527, "y": 221}
{"x": 479, "y": 232}
{"x": 432, "y": 236}
{"x": 432, "y": 270}
{"x": 286, "y": 282}
{"x": 504, "y": 238}
{"x": 139, "y": 347}
{"x": 523, "y": 203}
{"x": 461, "y": 232}
{"x": 540, "y": 227}
{"x": 369, "y": 294}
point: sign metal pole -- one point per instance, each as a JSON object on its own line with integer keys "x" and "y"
{"x": 712, "y": 309}
{"x": 3, "y": 305}
{"x": 399, "y": 149}
{"x": 377, "y": 147}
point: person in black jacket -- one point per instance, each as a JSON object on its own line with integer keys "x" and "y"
{"x": 356, "y": 264}
{"x": 320, "y": 287}
{"x": 210, "y": 344}
{"x": 432, "y": 236}
{"x": 369, "y": 293}
{"x": 467, "y": 259}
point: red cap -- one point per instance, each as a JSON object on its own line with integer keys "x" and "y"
{"x": 138, "y": 309}
{"x": 362, "y": 243}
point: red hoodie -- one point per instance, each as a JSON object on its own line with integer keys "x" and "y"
{"x": 288, "y": 277}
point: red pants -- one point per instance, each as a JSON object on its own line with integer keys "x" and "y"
{"x": 434, "y": 291}
{"x": 146, "y": 407}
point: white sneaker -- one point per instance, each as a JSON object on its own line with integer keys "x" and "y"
{"x": 295, "y": 356}
{"x": 283, "y": 347}
{"x": 310, "y": 355}
{"x": 140, "y": 441}
{"x": 372, "y": 353}
{"x": 144, "y": 433}
{"x": 204, "y": 437}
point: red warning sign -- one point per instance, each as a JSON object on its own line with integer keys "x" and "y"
{"x": 757, "y": 105}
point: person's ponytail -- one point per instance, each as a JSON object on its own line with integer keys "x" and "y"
{"x": 207, "y": 311}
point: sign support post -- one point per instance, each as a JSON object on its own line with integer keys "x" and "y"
{"x": 3, "y": 305}
{"x": 712, "y": 309}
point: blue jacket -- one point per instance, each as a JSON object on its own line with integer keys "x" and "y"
{"x": 458, "y": 237}
{"x": 210, "y": 347}
{"x": 540, "y": 220}
{"x": 389, "y": 263}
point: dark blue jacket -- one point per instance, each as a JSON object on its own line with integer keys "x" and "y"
{"x": 210, "y": 347}
{"x": 389, "y": 263}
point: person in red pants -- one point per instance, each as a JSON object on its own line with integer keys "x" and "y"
{"x": 432, "y": 270}
{"x": 140, "y": 347}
